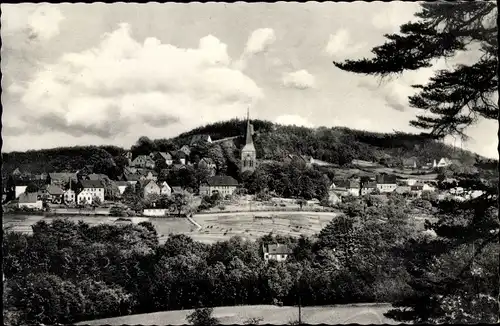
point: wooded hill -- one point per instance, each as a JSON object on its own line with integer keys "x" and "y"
{"x": 338, "y": 145}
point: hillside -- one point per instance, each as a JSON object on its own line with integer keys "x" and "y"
{"x": 273, "y": 142}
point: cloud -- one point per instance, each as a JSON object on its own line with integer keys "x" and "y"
{"x": 300, "y": 79}
{"x": 38, "y": 22}
{"x": 259, "y": 41}
{"x": 123, "y": 86}
{"x": 290, "y": 119}
{"x": 340, "y": 46}
{"x": 398, "y": 13}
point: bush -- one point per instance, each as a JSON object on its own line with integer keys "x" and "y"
{"x": 117, "y": 211}
{"x": 221, "y": 207}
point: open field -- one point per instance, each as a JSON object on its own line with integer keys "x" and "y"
{"x": 342, "y": 314}
{"x": 252, "y": 225}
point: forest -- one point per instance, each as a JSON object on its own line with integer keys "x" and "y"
{"x": 67, "y": 272}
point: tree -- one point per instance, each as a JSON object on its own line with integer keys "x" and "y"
{"x": 96, "y": 201}
{"x": 181, "y": 202}
{"x": 202, "y": 316}
{"x": 455, "y": 98}
{"x": 31, "y": 188}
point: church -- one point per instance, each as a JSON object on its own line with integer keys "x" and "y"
{"x": 248, "y": 153}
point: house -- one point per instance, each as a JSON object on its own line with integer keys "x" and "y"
{"x": 130, "y": 178}
{"x": 88, "y": 190}
{"x": 207, "y": 163}
{"x": 30, "y": 200}
{"x": 55, "y": 194}
{"x": 368, "y": 188}
{"x": 428, "y": 187}
{"x": 144, "y": 174}
{"x": 346, "y": 187}
{"x": 443, "y": 162}
{"x": 386, "y": 183}
{"x": 61, "y": 179}
{"x": 143, "y": 161}
{"x": 186, "y": 150}
{"x": 410, "y": 163}
{"x": 179, "y": 156}
{"x": 278, "y": 252}
{"x": 224, "y": 185}
{"x": 333, "y": 198}
{"x": 122, "y": 185}
{"x": 200, "y": 139}
{"x": 69, "y": 196}
{"x": 165, "y": 189}
{"x": 149, "y": 187}
{"x": 128, "y": 155}
{"x": 166, "y": 157}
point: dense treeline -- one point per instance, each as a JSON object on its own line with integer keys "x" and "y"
{"x": 67, "y": 272}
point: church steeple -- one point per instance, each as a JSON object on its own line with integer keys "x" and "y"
{"x": 249, "y": 139}
{"x": 248, "y": 153}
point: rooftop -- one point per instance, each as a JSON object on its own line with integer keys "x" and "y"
{"x": 277, "y": 249}
{"x": 91, "y": 184}
{"x": 222, "y": 180}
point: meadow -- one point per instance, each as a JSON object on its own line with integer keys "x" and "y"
{"x": 362, "y": 314}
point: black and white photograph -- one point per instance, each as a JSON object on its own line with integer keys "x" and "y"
{"x": 284, "y": 163}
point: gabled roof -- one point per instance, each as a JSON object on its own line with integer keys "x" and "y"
{"x": 222, "y": 180}
{"x": 144, "y": 183}
{"x": 178, "y": 154}
{"x": 54, "y": 190}
{"x": 166, "y": 156}
{"x": 206, "y": 160}
{"x": 144, "y": 157}
{"x": 409, "y": 161}
{"x": 130, "y": 176}
{"x": 91, "y": 184}
{"x": 370, "y": 184}
{"x": 277, "y": 249}
{"x": 176, "y": 189}
{"x": 25, "y": 198}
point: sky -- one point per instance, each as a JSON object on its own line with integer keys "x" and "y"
{"x": 94, "y": 74}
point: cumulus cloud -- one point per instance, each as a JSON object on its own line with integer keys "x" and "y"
{"x": 123, "y": 85}
{"x": 259, "y": 41}
{"x": 293, "y": 120}
{"x": 300, "y": 79}
{"x": 341, "y": 46}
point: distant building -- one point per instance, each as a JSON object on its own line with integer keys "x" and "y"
{"x": 402, "y": 190}
{"x": 55, "y": 194}
{"x": 416, "y": 189}
{"x": 143, "y": 161}
{"x": 166, "y": 157}
{"x": 386, "y": 183}
{"x": 346, "y": 187}
{"x": 30, "y": 200}
{"x": 248, "y": 152}
{"x": 333, "y": 198}
{"x": 444, "y": 162}
{"x": 408, "y": 182}
{"x": 88, "y": 189}
{"x": 186, "y": 149}
{"x": 177, "y": 190}
{"x": 180, "y": 156}
{"x": 368, "y": 188}
{"x": 224, "y": 185}
{"x": 165, "y": 189}
{"x": 149, "y": 187}
{"x": 278, "y": 252}
{"x": 122, "y": 185}
{"x": 69, "y": 196}
{"x": 209, "y": 164}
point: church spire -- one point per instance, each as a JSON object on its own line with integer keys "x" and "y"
{"x": 248, "y": 139}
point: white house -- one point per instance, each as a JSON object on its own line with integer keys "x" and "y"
{"x": 276, "y": 252}
{"x": 20, "y": 190}
{"x": 386, "y": 183}
{"x": 224, "y": 185}
{"x": 165, "y": 189}
{"x": 30, "y": 200}
{"x": 90, "y": 189}
{"x": 443, "y": 162}
{"x": 69, "y": 196}
{"x": 122, "y": 185}
{"x": 427, "y": 187}
{"x": 409, "y": 182}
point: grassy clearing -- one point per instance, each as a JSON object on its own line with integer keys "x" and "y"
{"x": 341, "y": 314}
